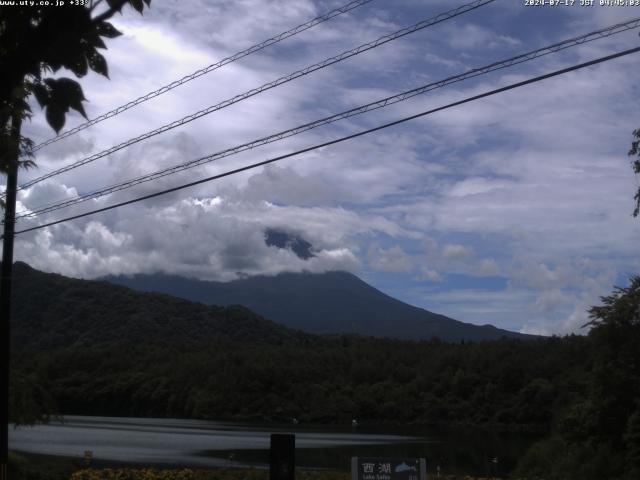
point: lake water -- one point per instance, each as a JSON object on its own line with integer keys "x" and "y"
{"x": 199, "y": 443}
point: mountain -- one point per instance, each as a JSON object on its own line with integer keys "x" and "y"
{"x": 288, "y": 241}
{"x": 332, "y": 302}
{"x": 51, "y": 311}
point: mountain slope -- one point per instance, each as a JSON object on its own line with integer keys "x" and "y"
{"x": 333, "y": 302}
{"x": 53, "y": 311}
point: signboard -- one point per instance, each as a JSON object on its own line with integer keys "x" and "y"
{"x": 377, "y": 468}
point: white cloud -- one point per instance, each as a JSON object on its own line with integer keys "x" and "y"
{"x": 549, "y": 300}
{"x": 455, "y": 252}
{"x": 488, "y": 267}
{"x": 473, "y": 36}
{"x": 430, "y": 275}
{"x": 393, "y": 259}
{"x": 475, "y": 186}
{"x": 438, "y": 60}
{"x": 204, "y": 238}
{"x": 284, "y": 185}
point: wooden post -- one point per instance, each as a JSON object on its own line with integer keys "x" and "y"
{"x": 5, "y": 296}
{"x": 282, "y": 458}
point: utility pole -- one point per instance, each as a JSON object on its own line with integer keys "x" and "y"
{"x": 5, "y": 292}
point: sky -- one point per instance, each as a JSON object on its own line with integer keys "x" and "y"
{"x": 514, "y": 210}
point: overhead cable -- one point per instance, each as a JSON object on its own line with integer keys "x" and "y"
{"x": 267, "y": 86}
{"x": 203, "y": 71}
{"x": 339, "y": 140}
{"x": 528, "y": 56}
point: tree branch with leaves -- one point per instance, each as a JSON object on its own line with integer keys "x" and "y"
{"x": 635, "y": 152}
{"x": 36, "y": 42}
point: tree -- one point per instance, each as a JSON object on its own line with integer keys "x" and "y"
{"x": 635, "y": 152}
{"x": 615, "y": 388}
{"x": 605, "y": 426}
{"x": 36, "y": 41}
{"x": 632, "y": 444}
{"x": 598, "y": 436}
{"x": 619, "y": 312}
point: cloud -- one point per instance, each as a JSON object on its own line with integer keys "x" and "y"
{"x": 549, "y": 300}
{"x": 455, "y": 252}
{"x": 488, "y": 267}
{"x": 208, "y": 238}
{"x": 473, "y": 36}
{"x": 438, "y": 60}
{"x": 43, "y": 193}
{"x": 393, "y": 259}
{"x": 475, "y": 186}
{"x": 284, "y": 185}
{"x": 430, "y": 275}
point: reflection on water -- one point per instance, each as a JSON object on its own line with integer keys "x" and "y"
{"x": 208, "y": 444}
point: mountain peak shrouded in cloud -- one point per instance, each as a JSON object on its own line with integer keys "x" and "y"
{"x": 288, "y": 241}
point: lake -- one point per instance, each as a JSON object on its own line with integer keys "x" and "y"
{"x": 198, "y": 443}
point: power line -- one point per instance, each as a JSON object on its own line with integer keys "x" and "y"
{"x": 340, "y": 140}
{"x": 198, "y": 73}
{"x": 568, "y": 43}
{"x": 267, "y": 86}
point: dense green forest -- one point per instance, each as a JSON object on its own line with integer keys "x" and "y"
{"x": 507, "y": 383}
{"x": 94, "y": 348}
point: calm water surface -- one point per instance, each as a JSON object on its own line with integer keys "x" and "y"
{"x": 209, "y": 444}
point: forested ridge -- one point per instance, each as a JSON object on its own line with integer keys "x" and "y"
{"x": 50, "y": 311}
